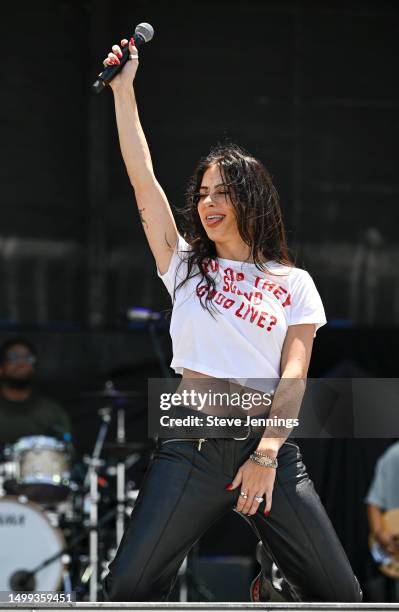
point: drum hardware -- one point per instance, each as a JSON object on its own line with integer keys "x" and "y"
{"x": 114, "y": 396}
{"x": 93, "y": 542}
{"x": 120, "y": 448}
{"x": 120, "y": 476}
{"x": 38, "y": 476}
{"x": 131, "y": 460}
{"x": 68, "y": 511}
{"x": 30, "y": 467}
{"x": 26, "y": 578}
{"x": 131, "y": 497}
{"x": 66, "y": 575}
{"x": 105, "y": 563}
{"x": 53, "y": 518}
{"x": 91, "y": 480}
{"x": 7, "y": 472}
{"x": 38, "y": 467}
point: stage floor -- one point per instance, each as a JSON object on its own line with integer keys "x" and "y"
{"x": 209, "y": 607}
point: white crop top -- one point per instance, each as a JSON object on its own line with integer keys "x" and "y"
{"x": 245, "y": 337}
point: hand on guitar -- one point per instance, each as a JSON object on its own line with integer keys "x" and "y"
{"x": 388, "y": 541}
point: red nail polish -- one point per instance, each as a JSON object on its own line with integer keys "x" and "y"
{"x": 132, "y": 41}
{"x": 267, "y": 513}
{"x": 229, "y": 487}
{"x": 119, "y": 54}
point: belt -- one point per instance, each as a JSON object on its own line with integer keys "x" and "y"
{"x": 249, "y": 431}
{"x": 235, "y": 431}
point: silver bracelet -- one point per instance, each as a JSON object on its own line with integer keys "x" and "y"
{"x": 263, "y": 460}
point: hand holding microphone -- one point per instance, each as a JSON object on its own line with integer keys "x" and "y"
{"x": 125, "y": 77}
{"x": 115, "y": 74}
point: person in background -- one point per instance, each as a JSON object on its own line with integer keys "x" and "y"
{"x": 23, "y": 410}
{"x": 383, "y": 496}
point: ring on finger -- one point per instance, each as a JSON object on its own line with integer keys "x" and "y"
{"x": 132, "y": 56}
{"x": 244, "y": 495}
{"x": 259, "y": 499}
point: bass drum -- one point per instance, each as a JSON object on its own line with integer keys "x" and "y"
{"x": 27, "y": 539}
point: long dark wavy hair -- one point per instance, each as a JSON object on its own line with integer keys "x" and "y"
{"x": 257, "y": 208}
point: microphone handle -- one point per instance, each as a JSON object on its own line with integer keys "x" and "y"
{"x": 106, "y": 76}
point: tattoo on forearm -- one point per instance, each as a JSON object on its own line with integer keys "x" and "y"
{"x": 143, "y": 221}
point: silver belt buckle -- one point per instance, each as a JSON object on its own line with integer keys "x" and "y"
{"x": 247, "y": 436}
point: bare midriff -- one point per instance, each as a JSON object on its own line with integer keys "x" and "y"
{"x": 203, "y": 383}
{"x": 193, "y": 374}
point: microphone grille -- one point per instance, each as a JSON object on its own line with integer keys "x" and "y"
{"x": 146, "y": 30}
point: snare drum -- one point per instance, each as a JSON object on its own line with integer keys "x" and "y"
{"x": 41, "y": 467}
{"x": 27, "y": 539}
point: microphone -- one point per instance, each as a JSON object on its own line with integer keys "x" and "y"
{"x": 142, "y": 315}
{"x": 142, "y": 34}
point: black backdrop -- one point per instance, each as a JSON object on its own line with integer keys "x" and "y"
{"x": 310, "y": 87}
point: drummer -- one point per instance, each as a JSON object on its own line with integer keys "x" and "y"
{"x": 23, "y": 410}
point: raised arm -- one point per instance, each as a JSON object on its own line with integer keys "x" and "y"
{"x": 155, "y": 212}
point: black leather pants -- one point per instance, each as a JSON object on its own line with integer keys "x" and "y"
{"x": 183, "y": 493}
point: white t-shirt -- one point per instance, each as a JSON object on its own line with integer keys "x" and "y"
{"x": 244, "y": 339}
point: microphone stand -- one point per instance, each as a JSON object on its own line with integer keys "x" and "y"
{"x": 120, "y": 478}
{"x": 91, "y": 479}
{"x": 25, "y": 578}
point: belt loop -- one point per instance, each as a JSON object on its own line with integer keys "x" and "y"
{"x": 248, "y": 433}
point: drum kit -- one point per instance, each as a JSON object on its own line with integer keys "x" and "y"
{"x": 55, "y": 516}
